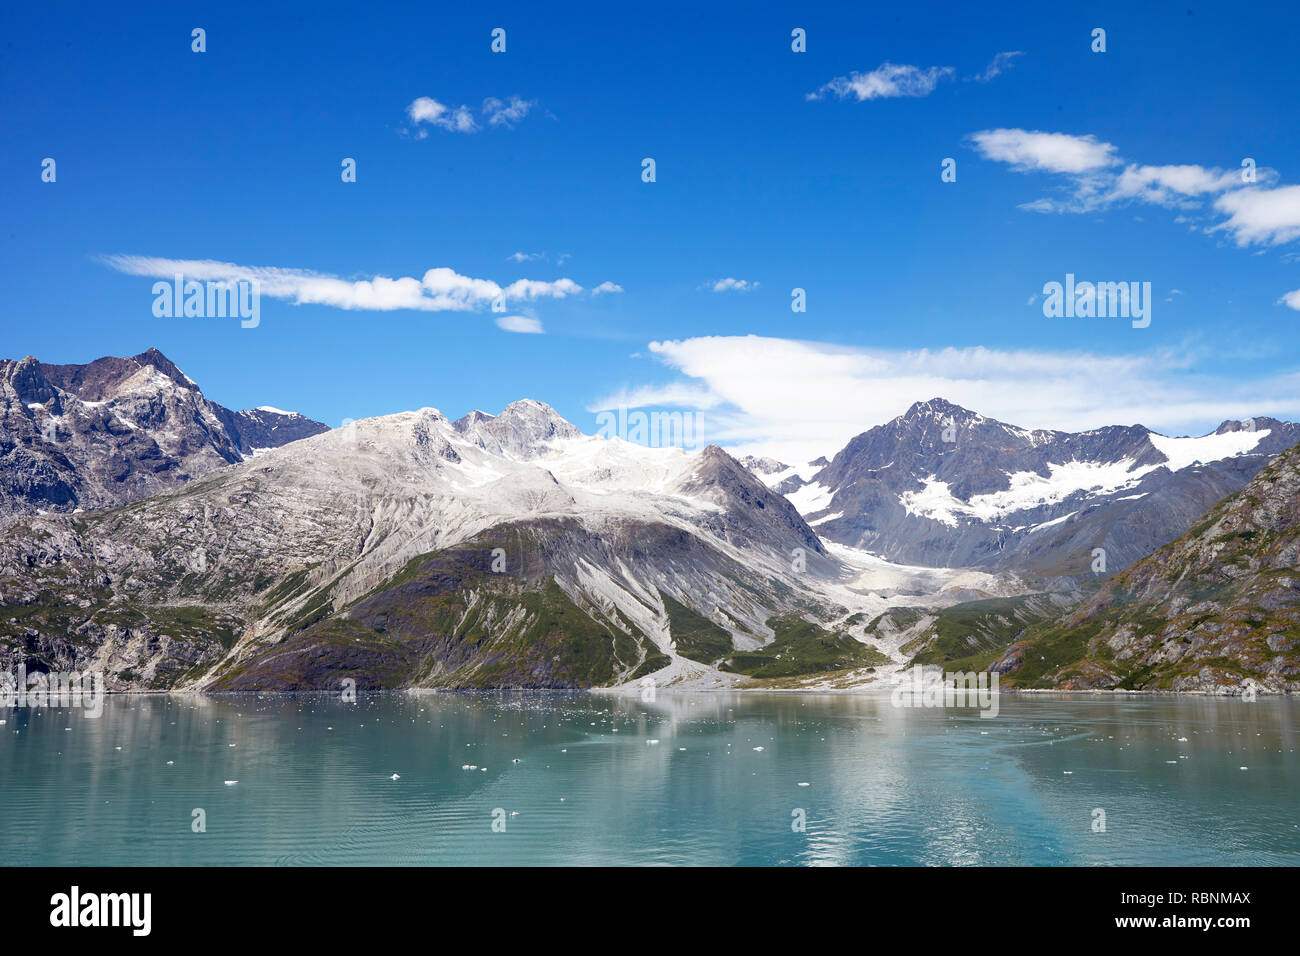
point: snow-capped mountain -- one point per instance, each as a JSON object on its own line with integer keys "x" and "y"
{"x": 410, "y": 550}
{"x": 944, "y": 486}
{"x": 118, "y": 429}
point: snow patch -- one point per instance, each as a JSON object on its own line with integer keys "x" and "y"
{"x": 1184, "y": 452}
{"x": 811, "y": 498}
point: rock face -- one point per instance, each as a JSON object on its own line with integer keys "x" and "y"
{"x": 117, "y": 430}
{"x": 943, "y": 486}
{"x": 409, "y": 550}
{"x": 1217, "y": 610}
{"x": 520, "y": 431}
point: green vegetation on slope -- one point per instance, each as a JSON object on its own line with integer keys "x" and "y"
{"x": 801, "y": 647}
{"x": 694, "y": 635}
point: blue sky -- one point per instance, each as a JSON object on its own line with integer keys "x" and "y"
{"x": 818, "y": 170}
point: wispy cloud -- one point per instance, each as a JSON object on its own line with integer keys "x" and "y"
{"x": 997, "y": 66}
{"x": 438, "y": 290}
{"x": 1095, "y": 177}
{"x": 885, "y": 81}
{"x": 520, "y": 323}
{"x": 455, "y": 119}
{"x": 1291, "y": 300}
{"x": 733, "y": 285}
{"x": 506, "y": 112}
{"x": 796, "y": 400}
{"x": 426, "y": 111}
{"x": 605, "y": 288}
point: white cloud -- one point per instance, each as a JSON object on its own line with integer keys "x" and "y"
{"x": 796, "y": 400}
{"x": 998, "y": 65}
{"x": 425, "y": 109}
{"x": 534, "y": 289}
{"x": 1164, "y": 185}
{"x": 520, "y": 323}
{"x": 526, "y": 256}
{"x": 606, "y": 287}
{"x": 502, "y": 113}
{"x": 1265, "y": 216}
{"x": 885, "y": 81}
{"x": 1029, "y": 150}
{"x": 439, "y": 289}
{"x": 734, "y": 285}
{"x": 1291, "y": 300}
{"x": 460, "y": 119}
{"x": 1257, "y": 213}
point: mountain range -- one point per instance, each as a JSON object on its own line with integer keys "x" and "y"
{"x": 172, "y": 543}
{"x": 118, "y": 429}
{"x": 943, "y": 486}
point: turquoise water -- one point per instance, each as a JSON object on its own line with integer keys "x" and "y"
{"x": 885, "y": 785}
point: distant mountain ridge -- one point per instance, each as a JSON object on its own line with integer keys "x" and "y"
{"x": 1216, "y": 611}
{"x": 116, "y": 430}
{"x": 944, "y": 486}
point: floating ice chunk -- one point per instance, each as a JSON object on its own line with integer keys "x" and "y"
{"x": 395, "y": 777}
{"x": 231, "y": 783}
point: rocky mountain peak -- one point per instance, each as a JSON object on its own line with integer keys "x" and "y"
{"x": 522, "y": 430}
{"x": 537, "y": 415}
{"x": 940, "y": 408}
{"x": 476, "y": 417}
{"x": 117, "y": 429}
{"x": 763, "y": 466}
{"x": 1247, "y": 425}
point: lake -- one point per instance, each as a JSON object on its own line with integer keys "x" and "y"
{"x": 692, "y": 778}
